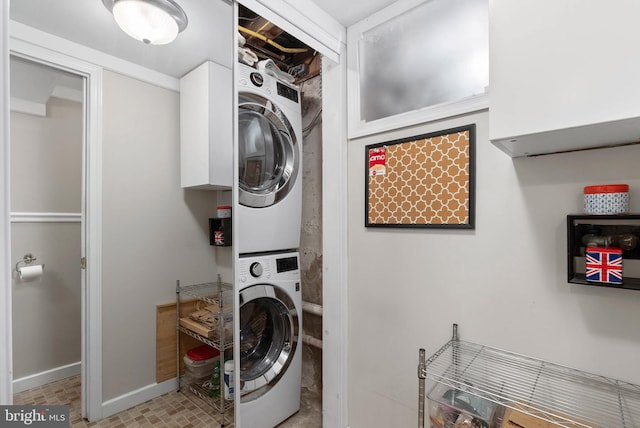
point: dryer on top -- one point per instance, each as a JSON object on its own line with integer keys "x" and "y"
{"x": 269, "y": 213}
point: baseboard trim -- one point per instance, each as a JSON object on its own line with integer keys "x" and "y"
{"x": 139, "y": 396}
{"x": 45, "y": 377}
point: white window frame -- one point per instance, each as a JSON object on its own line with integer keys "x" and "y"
{"x": 360, "y": 128}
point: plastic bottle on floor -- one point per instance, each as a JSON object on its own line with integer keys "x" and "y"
{"x": 229, "y": 380}
{"x": 214, "y": 385}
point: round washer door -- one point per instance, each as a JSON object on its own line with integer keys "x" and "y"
{"x": 269, "y": 331}
{"x": 268, "y": 158}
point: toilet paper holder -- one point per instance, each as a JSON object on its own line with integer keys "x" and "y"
{"x": 27, "y": 259}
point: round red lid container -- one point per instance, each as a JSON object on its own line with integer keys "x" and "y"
{"x": 224, "y": 211}
{"x": 607, "y": 188}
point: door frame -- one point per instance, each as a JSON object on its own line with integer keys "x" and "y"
{"x": 91, "y": 329}
{"x": 6, "y": 361}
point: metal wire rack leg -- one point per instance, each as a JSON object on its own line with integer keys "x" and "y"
{"x": 422, "y": 374}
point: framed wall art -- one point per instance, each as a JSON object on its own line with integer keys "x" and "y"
{"x": 422, "y": 181}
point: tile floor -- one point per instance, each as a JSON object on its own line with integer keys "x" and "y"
{"x": 172, "y": 410}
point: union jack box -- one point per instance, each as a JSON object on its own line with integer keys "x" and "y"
{"x": 604, "y": 265}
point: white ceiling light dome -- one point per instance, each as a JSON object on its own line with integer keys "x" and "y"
{"x": 155, "y": 22}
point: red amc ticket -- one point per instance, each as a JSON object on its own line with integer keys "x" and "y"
{"x": 377, "y": 161}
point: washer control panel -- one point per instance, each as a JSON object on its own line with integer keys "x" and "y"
{"x": 270, "y": 267}
{"x": 287, "y": 264}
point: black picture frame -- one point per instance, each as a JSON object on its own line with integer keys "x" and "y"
{"x": 409, "y": 190}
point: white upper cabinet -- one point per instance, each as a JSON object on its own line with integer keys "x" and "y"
{"x": 564, "y": 75}
{"x": 206, "y": 128}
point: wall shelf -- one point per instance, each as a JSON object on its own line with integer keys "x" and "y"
{"x": 549, "y": 392}
{"x": 581, "y": 225}
{"x": 222, "y": 228}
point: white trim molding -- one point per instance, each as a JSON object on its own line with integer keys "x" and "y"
{"x": 335, "y": 251}
{"x": 24, "y": 33}
{"x": 20, "y": 105}
{"x": 92, "y": 290}
{"x": 17, "y": 217}
{"x": 68, "y": 94}
{"x": 45, "y": 377}
{"x": 305, "y": 21}
{"x": 28, "y": 107}
{"x": 139, "y": 396}
{"x": 6, "y": 268}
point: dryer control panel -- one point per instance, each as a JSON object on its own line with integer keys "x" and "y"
{"x": 255, "y": 81}
{"x": 287, "y": 92}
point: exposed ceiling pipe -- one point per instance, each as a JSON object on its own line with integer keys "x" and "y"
{"x": 271, "y": 42}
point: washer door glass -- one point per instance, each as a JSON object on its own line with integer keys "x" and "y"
{"x": 268, "y": 161}
{"x": 268, "y": 338}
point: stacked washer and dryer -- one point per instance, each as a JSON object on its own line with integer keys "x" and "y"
{"x": 269, "y": 218}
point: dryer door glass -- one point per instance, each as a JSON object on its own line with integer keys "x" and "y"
{"x": 268, "y": 338}
{"x": 267, "y": 159}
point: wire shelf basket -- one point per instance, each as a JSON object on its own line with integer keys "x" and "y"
{"x": 557, "y": 394}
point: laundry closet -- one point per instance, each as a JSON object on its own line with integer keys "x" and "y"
{"x": 274, "y": 228}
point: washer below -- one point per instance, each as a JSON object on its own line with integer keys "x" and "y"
{"x": 270, "y": 327}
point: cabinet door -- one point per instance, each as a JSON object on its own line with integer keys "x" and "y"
{"x": 206, "y": 128}
{"x": 563, "y": 65}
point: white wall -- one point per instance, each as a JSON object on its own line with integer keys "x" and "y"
{"x": 46, "y": 156}
{"x": 154, "y": 233}
{"x": 46, "y": 310}
{"x": 504, "y": 282}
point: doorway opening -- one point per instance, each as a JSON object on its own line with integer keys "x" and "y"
{"x": 46, "y": 143}
{"x": 55, "y": 194}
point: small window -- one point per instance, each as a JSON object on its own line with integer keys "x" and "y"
{"x": 419, "y": 59}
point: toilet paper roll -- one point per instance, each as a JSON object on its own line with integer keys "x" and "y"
{"x": 30, "y": 272}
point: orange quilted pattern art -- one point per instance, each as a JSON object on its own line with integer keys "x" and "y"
{"x": 424, "y": 181}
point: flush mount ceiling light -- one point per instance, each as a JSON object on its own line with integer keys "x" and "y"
{"x": 154, "y": 22}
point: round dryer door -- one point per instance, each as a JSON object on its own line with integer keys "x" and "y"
{"x": 268, "y": 338}
{"x": 268, "y": 159}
